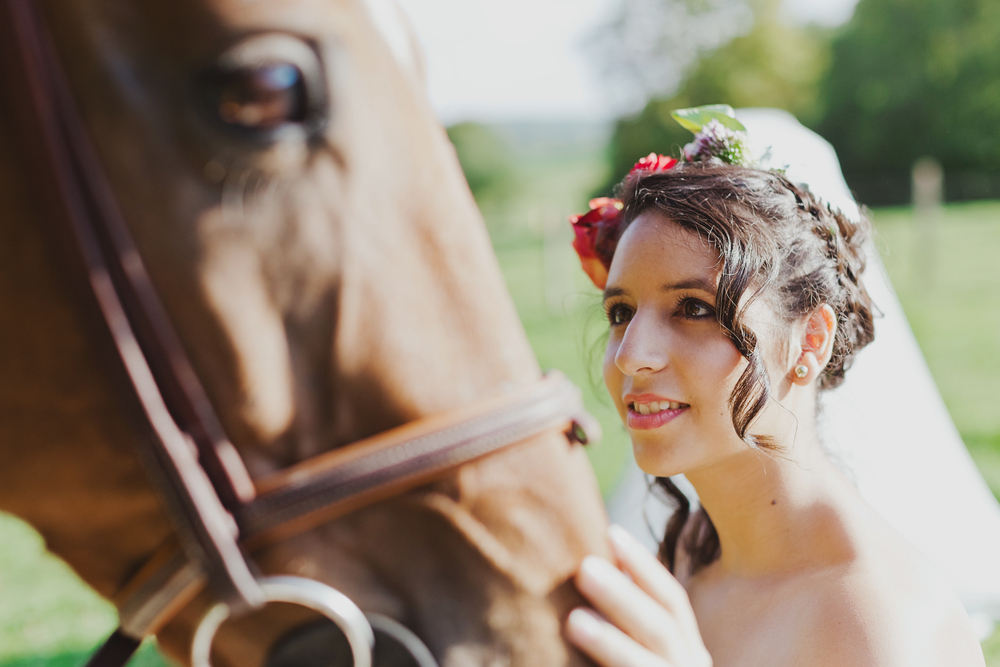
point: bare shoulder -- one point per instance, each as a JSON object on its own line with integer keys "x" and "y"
{"x": 887, "y": 608}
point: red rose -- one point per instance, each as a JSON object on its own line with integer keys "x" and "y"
{"x": 596, "y": 236}
{"x": 597, "y": 229}
{"x": 654, "y": 162}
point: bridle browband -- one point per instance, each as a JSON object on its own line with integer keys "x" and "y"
{"x": 218, "y": 512}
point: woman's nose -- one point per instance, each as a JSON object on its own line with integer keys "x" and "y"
{"x": 643, "y": 348}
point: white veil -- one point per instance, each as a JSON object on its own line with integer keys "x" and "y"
{"x": 886, "y": 423}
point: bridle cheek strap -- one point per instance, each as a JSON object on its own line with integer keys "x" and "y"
{"x": 196, "y": 469}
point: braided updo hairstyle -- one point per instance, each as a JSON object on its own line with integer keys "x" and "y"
{"x": 776, "y": 241}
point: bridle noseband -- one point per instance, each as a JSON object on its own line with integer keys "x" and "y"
{"x": 218, "y": 512}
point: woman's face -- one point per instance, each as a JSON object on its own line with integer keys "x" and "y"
{"x": 669, "y": 367}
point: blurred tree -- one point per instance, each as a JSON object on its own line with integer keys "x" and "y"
{"x": 485, "y": 160}
{"x": 774, "y": 64}
{"x": 910, "y": 78}
{"x": 649, "y": 45}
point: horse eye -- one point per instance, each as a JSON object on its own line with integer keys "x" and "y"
{"x": 262, "y": 97}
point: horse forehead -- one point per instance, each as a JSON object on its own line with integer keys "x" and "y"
{"x": 394, "y": 26}
{"x": 386, "y": 16}
{"x": 396, "y": 30}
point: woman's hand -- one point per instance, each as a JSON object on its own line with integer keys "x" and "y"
{"x": 647, "y": 619}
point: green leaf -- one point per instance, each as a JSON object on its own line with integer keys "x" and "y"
{"x": 695, "y": 118}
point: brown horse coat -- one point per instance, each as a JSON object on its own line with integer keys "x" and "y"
{"x": 327, "y": 284}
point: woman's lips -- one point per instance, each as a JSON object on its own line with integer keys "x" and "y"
{"x": 649, "y": 411}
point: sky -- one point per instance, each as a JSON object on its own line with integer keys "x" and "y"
{"x": 525, "y": 59}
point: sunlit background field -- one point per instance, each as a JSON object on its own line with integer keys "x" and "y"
{"x": 903, "y": 79}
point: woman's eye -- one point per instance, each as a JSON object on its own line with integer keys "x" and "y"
{"x": 695, "y": 309}
{"x": 262, "y": 97}
{"x": 619, "y": 314}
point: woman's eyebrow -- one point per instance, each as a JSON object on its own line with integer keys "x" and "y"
{"x": 691, "y": 283}
{"x": 613, "y": 291}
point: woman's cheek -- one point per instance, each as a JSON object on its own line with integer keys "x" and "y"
{"x": 717, "y": 358}
{"x": 613, "y": 377}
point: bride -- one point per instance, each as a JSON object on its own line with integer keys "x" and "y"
{"x": 733, "y": 297}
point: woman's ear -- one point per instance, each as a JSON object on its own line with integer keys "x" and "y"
{"x": 816, "y": 345}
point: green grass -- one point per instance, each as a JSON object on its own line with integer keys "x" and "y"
{"x": 991, "y": 650}
{"x": 945, "y": 274}
{"x": 48, "y": 617}
{"x": 147, "y": 656}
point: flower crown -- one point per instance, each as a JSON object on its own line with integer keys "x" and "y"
{"x": 717, "y": 136}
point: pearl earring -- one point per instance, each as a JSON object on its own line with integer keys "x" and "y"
{"x": 801, "y": 371}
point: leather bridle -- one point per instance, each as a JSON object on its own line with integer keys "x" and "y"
{"x": 218, "y": 512}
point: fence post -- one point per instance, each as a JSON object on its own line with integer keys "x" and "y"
{"x": 928, "y": 193}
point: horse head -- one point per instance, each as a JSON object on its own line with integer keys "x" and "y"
{"x": 303, "y": 217}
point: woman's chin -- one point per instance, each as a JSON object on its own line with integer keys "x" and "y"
{"x": 655, "y": 459}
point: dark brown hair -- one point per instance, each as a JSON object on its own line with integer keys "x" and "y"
{"x": 778, "y": 241}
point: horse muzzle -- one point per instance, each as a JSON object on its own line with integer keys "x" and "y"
{"x": 322, "y": 644}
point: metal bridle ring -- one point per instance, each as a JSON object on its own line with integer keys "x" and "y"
{"x": 314, "y": 595}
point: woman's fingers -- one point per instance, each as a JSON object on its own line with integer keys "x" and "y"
{"x": 606, "y": 644}
{"x": 647, "y": 610}
{"x": 630, "y": 608}
{"x": 650, "y": 575}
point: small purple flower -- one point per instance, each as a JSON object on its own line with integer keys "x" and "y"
{"x": 718, "y": 141}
